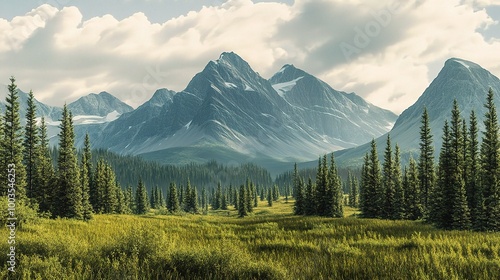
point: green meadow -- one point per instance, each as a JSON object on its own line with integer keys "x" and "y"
{"x": 269, "y": 244}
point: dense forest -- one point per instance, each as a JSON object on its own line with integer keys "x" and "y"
{"x": 462, "y": 192}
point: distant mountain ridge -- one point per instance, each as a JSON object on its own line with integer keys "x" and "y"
{"x": 459, "y": 79}
{"x": 98, "y": 105}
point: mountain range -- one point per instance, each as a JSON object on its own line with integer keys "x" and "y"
{"x": 229, "y": 113}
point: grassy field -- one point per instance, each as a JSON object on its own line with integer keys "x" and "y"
{"x": 270, "y": 244}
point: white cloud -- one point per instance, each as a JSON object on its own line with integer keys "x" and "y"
{"x": 385, "y": 52}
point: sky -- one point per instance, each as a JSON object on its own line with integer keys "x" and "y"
{"x": 388, "y": 52}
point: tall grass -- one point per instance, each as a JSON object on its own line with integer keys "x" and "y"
{"x": 270, "y": 244}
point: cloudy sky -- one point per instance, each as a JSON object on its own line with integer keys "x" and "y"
{"x": 385, "y": 51}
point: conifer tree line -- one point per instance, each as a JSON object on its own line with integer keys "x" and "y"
{"x": 68, "y": 183}
{"x": 461, "y": 192}
{"x": 323, "y": 198}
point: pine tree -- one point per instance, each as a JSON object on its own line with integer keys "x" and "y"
{"x": 12, "y": 143}
{"x": 193, "y": 207}
{"x": 353, "y": 190}
{"x": 255, "y": 198}
{"x": 365, "y": 204}
{"x": 373, "y": 195}
{"x": 203, "y": 198}
{"x": 129, "y": 200}
{"x": 85, "y": 184}
{"x": 217, "y": 201}
{"x": 141, "y": 199}
{"x": 490, "y": 165}
{"x": 191, "y": 201}
{"x": 121, "y": 206}
{"x": 242, "y": 208}
{"x": 295, "y": 180}
{"x": 70, "y": 191}
{"x": 438, "y": 215}
{"x": 223, "y": 203}
{"x": 44, "y": 173}
{"x": 388, "y": 182}
{"x": 310, "y": 198}
{"x": 399, "y": 209}
{"x": 322, "y": 199}
{"x": 459, "y": 210}
{"x": 413, "y": 204}
{"x": 276, "y": 193}
{"x": 153, "y": 199}
{"x": 473, "y": 187}
{"x": 30, "y": 145}
{"x": 426, "y": 162}
{"x": 335, "y": 192}
{"x": 173, "y": 199}
{"x": 110, "y": 202}
{"x": 299, "y": 207}
{"x": 269, "y": 198}
{"x": 248, "y": 196}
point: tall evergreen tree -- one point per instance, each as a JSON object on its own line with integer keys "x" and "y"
{"x": 323, "y": 206}
{"x": 191, "y": 200}
{"x": 12, "y": 143}
{"x": 310, "y": 198}
{"x": 70, "y": 191}
{"x": 353, "y": 190}
{"x": 242, "y": 208}
{"x": 438, "y": 215}
{"x": 372, "y": 190}
{"x": 217, "y": 201}
{"x": 110, "y": 201}
{"x": 44, "y": 173}
{"x": 335, "y": 193}
{"x": 388, "y": 182}
{"x": 141, "y": 199}
{"x": 459, "y": 210}
{"x": 399, "y": 198}
{"x": 129, "y": 200}
{"x": 473, "y": 187}
{"x": 426, "y": 161}
{"x": 31, "y": 142}
{"x": 223, "y": 203}
{"x": 203, "y": 198}
{"x": 173, "y": 199}
{"x": 269, "y": 197}
{"x": 299, "y": 207}
{"x": 413, "y": 205}
{"x": 490, "y": 165}
{"x": 85, "y": 185}
{"x": 295, "y": 180}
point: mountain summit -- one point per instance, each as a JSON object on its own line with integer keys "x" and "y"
{"x": 98, "y": 105}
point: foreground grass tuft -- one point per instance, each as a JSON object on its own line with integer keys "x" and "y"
{"x": 270, "y": 244}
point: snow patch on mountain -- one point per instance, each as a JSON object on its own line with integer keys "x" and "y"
{"x": 283, "y": 88}
{"x": 464, "y": 64}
